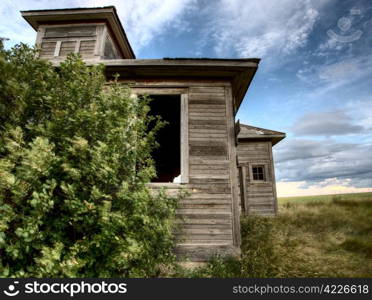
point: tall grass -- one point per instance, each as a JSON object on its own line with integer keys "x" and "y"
{"x": 312, "y": 238}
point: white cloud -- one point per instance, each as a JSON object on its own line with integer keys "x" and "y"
{"x": 326, "y": 124}
{"x": 145, "y": 20}
{"x": 269, "y": 29}
{"x": 361, "y": 110}
{"x": 142, "y": 20}
{"x": 314, "y": 161}
{"x": 336, "y": 75}
{"x": 13, "y": 26}
{"x": 339, "y": 70}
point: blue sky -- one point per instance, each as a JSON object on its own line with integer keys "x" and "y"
{"x": 314, "y": 81}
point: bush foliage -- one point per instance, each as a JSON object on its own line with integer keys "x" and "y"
{"x": 75, "y": 157}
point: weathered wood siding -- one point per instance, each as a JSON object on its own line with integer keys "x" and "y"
{"x": 110, "y": 50}
{"x": 59, "y": 41}
{"x": 208, "y": 216}
{"x": 258, "y": 197}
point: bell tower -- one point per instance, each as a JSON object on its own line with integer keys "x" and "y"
{"x": 95, "y": 33}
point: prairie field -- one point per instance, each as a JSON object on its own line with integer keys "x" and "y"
{"x": 313, "y": 236}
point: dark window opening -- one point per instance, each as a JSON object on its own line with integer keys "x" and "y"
{"x": 258, "y": 173}
{"x": 167, "y": 156}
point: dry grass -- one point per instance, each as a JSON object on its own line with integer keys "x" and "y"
{"x": 313, "y": 237}
{"x": 326, "y": 237}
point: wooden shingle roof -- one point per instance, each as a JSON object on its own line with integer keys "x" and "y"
{"x": 248, "y": 132}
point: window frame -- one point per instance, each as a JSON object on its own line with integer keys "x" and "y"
{"x": 99, "y": 37}
{"x": 265, "y": 167}
{"x": 184, "y": 142}
{"x": 260, "y": 172}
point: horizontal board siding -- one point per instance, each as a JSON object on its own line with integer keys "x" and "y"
{"x": 252, "y": 152}
{"x": 208, "y": 135}
{"x": 200, "y": 238}
{"x": 256, "y": 189}
{"x": 47, "y": 49}
{"x": 209, "y": 121}
{"x": 206, "y": 105}
{"x": 202, "y": 221}
{"x": 204, "y": 216}
{"x": 204, "y": 230}
{"x": 260, "y": 198}
{"x": 207, "y": 89}
{"x": 70, "y": 31}
{"x": 200, "y": 179}
{"x": 87, "y": 47}
{"x": 206, "y": 171}
{"x": 207, "y": 96}
{"x": 210, "y": 151}
{"x": 253, "y": 145}
{"x": 206, "y": 202}
{"x": 207, "y": 109}
{"x": 206, "y": 213}
{"x": 67, "y": 47}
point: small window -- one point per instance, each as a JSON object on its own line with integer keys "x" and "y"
{"x": 258, "y": 172}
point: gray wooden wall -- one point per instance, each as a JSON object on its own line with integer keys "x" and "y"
{"x": 90, "y": 40}
{"x": 209, "y": 216}
{"x": 258, "y": 197}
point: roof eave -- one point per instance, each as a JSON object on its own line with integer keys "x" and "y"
{"x": 36, "y": 17}
{"x": 243, "y": 70}
{"x": 273, "y": 138}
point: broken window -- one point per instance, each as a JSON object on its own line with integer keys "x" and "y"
{"x": 167, "y": 156}
{"x": 258, "y": 172}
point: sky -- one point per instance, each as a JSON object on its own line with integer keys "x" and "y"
{"x": 314, "y": 81}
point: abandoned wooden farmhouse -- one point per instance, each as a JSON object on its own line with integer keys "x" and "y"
{"x": 226, "y": 167}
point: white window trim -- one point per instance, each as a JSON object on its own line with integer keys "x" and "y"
{"x": 57, "y": 49}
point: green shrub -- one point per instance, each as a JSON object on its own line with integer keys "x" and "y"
{"x": 75, "y": 157}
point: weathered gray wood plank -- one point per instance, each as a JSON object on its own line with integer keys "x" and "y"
{"x": 233, "y": 167}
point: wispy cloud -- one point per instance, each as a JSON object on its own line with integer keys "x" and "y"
{"x": 264, "y": 28}
{"x": 326, "y": 124}
{"x": 314, "y": 161}
{"x": 342, "y": 74}
{"x": 143, "y": 20}
{"x": 146, "y": 20}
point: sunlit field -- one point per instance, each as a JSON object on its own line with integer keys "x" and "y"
{"x": 314, "y": 236}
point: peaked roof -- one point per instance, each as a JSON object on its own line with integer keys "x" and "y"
{"x": 107, "y": 14}
{"x": 239, "y": 72}
{"x": 248, "y": 132}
